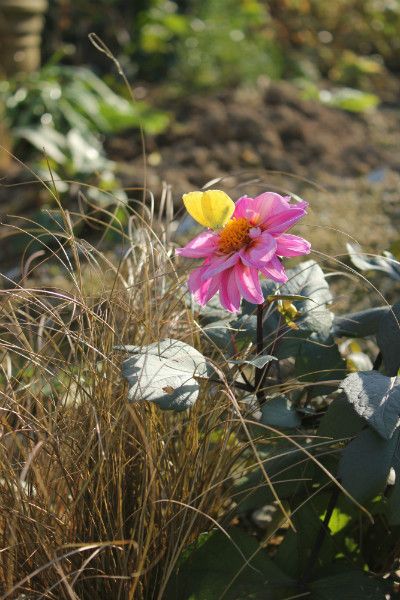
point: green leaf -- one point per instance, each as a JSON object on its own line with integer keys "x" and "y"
{"x": 340, "y": 420}
{"x": 223, "y": 335}
{"x": 153, "y": 121}
{"x": 164, "y": 373}
{"x": 45, "y": 139}
{"x": 115, "y": 113}
{"x": 388, "y": 339}
{"x": 218, "y": 569}
{"x": 287, "y": 468}
{"x": 338, "y": 521}
{"x": 360, "y": 324}
{"x": 230, "y": 335}
{"x": 307, "y": 280}
{"x": 86, "y": 102}
{"x": 258, "y": 361}
{"x": 212, "y": 311}
{"x": 279, "y": 412}
{"x": 373, "y": 262}
{"x": 376, "y": 398}
{"x": 392, "y": 509}
{"x": 365, "y": 464}
{"x": 319, "y": 360}
{"x": 86, "y": 152}
{"x": 294, "y": 552}
{"x": 73, "y": 117}
{"x": 349, "y": 99}
{"x": 350, "y": 585}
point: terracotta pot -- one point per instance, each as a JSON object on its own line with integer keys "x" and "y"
{"x": 21, "y": 25}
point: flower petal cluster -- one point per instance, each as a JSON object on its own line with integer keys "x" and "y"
{"x": 250, "y": 243}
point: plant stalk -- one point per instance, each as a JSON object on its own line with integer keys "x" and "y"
{"x": 260, "y": 371}
{"x": 319, "y": 540}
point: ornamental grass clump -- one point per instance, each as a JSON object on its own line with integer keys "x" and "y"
{"x": 99, "y": 497}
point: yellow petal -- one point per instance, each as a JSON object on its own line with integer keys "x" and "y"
{"x": 212, "y": 208}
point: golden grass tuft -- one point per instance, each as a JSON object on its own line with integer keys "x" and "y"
{"x": 98, "y": 497}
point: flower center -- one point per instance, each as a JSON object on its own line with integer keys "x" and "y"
{"x": 234, "y": 235}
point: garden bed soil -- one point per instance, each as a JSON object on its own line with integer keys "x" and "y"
{"x": 270, "y": 129}
{"x": 346, "y": 165}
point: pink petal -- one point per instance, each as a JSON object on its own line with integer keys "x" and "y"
{"x": 241, "y": 207}
{"x": 274, "y": 270}
{"x": 260, "y": 251}
{"x": 291, "y": 245}
{"x": 195, "y": 279}
{"x": 249, "y": 284}
{"x": 268, "y": 204}
{"x": 201, "y": 246}
{"x": 229, "y": 292}
{"x": 264, "y": 209}
{"x": 282, "y": 221}
{"x": 221, "y": 263}
{"x": 202, "y": 289}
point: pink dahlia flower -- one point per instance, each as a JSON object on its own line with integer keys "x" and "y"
{"x": 249, "y": 244}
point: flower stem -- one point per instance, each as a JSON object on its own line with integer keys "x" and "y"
{"x": 259, "y": 372}
{"x": 323, "y": 530}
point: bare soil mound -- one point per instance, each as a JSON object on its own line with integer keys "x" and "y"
{"x": 346, "y": 165}
{"x": 270, "y": 130}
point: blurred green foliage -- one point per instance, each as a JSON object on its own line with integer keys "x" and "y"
{"x": 64, "y": 113}
{"x": 228, "y": 42}
{"x": 345, "y": 98}
{"x": 203, "y": 43}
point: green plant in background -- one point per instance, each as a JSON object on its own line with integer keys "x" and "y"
{"x": 346, "y": 98}
{"x": 228, "y": 42}
{"x": 351, "y": 43}
{"x": 207, "y": 44}
{"x": 157, "y": 28}
{"x": 65, "y": 113}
